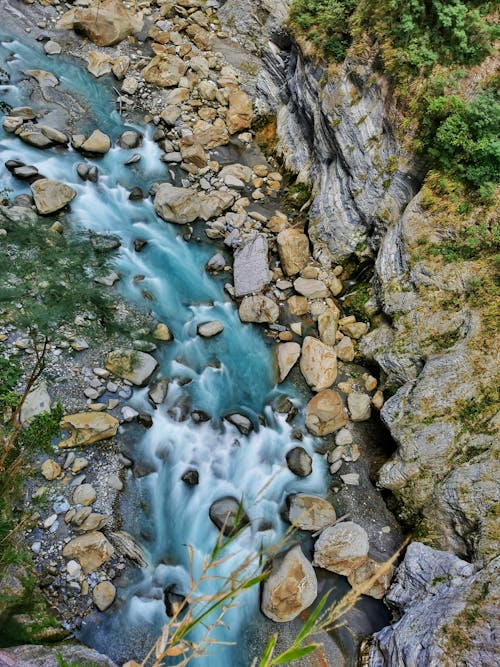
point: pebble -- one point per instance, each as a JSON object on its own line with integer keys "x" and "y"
{"x": 114, "y": 482}
{"x": 49, "y": 521}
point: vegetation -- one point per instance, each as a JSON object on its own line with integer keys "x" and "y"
{"x": 325, "y": 23}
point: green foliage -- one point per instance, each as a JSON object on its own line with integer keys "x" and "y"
{"x": 480, "y": 239}
{"x": 10, "y": 372}
{"x": 298, "y": 195}
{"x": 325, "y": 23}
{"x": 61, "y": 662}
{"x": 41, "y": 431}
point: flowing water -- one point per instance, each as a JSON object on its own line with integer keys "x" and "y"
{"x": 231, "y": 373}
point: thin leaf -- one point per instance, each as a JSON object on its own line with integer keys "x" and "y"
{"x": 306, "y": 628}
{"x": 294, "y": 654}
{"x": 269, "y": 650}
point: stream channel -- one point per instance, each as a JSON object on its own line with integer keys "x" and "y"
{"x": 232, "y": 372}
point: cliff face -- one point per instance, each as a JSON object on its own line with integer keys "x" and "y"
{"x": 433, "y": 339}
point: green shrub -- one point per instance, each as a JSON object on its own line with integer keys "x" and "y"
{"x": 324, "y": 22}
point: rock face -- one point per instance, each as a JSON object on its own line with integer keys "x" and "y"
{"x": 286, "y": 357}
{"x": 443, "y": 603}
{"x": 251, "y": 267}
{"x": 105, "y": 22}
{"x": 30, "y": 655}
{"x": 310, "y": 512}
{"x": 341, "y": 548}
{"x": 136, "y": 367}
{"x": 325, "y": 413}
{"x": 88, "y": 427}
{"x": 291, "y": 587}
{"x": 293, "y": 247}
{"x": 318, "y": 364}
{"x": 90, "y": 550}
{"x": 258, "y": 309}
{"x": 51, "y": 196}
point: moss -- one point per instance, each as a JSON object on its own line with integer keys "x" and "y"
{"x": 298, "y": 195}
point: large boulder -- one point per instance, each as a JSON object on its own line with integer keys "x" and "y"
{"x": 90, "y": 550}
{"x": 325, "y": 413}
{"x": 299, "y": 462}
{"x": 293, "y": 248}
{"x": 240, "y": 113}
{"x": 179, "y": 205}
{"x": 30, "y": 655}
{"x": 87, "y": 428}
{"x": 318, "y": 364}
{"x": 51, "y": 196}
{"x": 132, "y": 365}
{"x": 164, "y": 70}
{"x": 310, "y": 512}
{"x": 105, "y": 22}
{"x": 97, "y": 142}
{"x": 342, "y": 548}
{"x": 251, "y": 268}
{"x": 258, "y": 308}
{"x": 286, "y": 357}
{"x": 228, "y": 515}
{"x": 291, "y": 587}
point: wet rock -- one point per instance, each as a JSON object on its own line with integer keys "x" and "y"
{"x": 145, "y": 419}
{"x": 258, "y": 309}
{"x": 90, "y": 550}
{"x": 132, "y": 365}
{"x": 130, "y": 139}
{"x": 216, "y": 263}
{"x": 52, "y": 48}
{"x": 26, "y": 172}
{"x": 291, "y": 587}
{"x": 341, "y": 548}
{"x": 191, "y": 477}
{"x": 210, "y": 329}
{"x": 51, "y": 196}
{"x": 162, "y": 332}
{"x": 228, "y": 515}
{"x": 251, "y": 266}
{"x": 104, "y": 595}
{"x": 178, "y": 205}
{"x": 50, "y": 469}
{"x": 136, "y": 194}
{"x": 299, "y": 462}
{"x": 286, "y": 357}
{"x": 104, "y": 22}
{"x": 242, "y": 423}
{"x": 310, "y": 512}
{"x": 87, "y": 428}
{"x": 140, "y": 244}
{"x": 98, "y": 142}
{"x": 33, "y": 135}
{"x": 293, "y": 248}
{"x": 325, "y": 413}
{"x": 158, "y": 392}
{"x": 359, "y": 407}
{"x": 318, "y": 364}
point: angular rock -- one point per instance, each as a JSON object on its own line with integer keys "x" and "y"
{"x": 286, "y": 357}
{"x": 258, "y": 309}
{"x": 311, "y": 288}
{"x": 51, "y": 196}
{"x": 178, "y": 205}
{"x": 35, "y": 403}
{"x": 366, "y": 571}
{"x": 50, "y": 469}
{"x": 98, "y": 142}
{"x": 90, "y": 550}
{"x": 341, "y": 548}
{"x": 325, "y": 413}
{"x": 105, "y": 22}
{"x": 310, "y": 512}
{"x": 87, "y": 428}
{"x": 164, "y": 70}
{"x": 293, "y": 248}
{"x": 359, "y": 406}
{"x": 251, "y": 267}
{"x": 327, "y": 325}
{"x": 318, "y": 364}
{"x": 136, "y": 367}
{"x": 242, "y": 423}
{"x": 158, "y": 392}
{"x": 291, "y": 587}
{"x": 345, "y": 349}
{"x": 240, "y": 112}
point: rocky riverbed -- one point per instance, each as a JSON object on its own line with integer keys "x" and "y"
{"x": 193, "y": 115}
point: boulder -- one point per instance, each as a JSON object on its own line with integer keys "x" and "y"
{"x": 310, "y": 512}
{"x": 240, "y": 113}
{"x": 130, "y": 139}
{"x": 178, "y": 205}
{"x": 30, "y": 655}
{"x": 342, "y": 548}
{"x": 209, "y": 329}
{"x": 87, "y": 428}
{"x": 293, "y": 248}
{"x": 318, "y": 364}
{"x": 291, "y": 587}
{"x": 105, "y": 22}
{"x": 136, "y": 367}
{"x": 98, "y": 142}
{"x": 251, "y": 267}
{"x": 359, "y": 406}
{"x": 258, "y": 309}
{"x": 299, "y": 462}
{"x": 51, "y": 196}
{"x": 103, "y": 595}
{"x": 286, "y": 357}
{"x": 164, "y": 70}
{"x": 228, "y": 515}
{"x": 158, "y": 392}
{"x": 90, "y": 550}
{"x": 325, "y": 413}
{"x": 99, "y": 63}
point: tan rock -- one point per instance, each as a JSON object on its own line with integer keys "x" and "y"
{"x": 354, "y": 329}
{"x": 327, "y": 325}
{"x": 286, "y": 356}
{"x": 51, "y": 196}
{"x": 99, "y": 63}
{"x": 98, "y": 142}
{"x": 88, "y": 427}
{"x": 345, "y": 349}
{"x": 378, "y": 400}
{"x": 90, "y": 550}
{"x": 240, "y": 112}
{"x": 293, "y": 248}
{"x": 84, "y": 494}
{"x": 162, "y": 332}
{"x": 164, "y": 70}
{"x": 325, "y": 413}
{"x": 291, "y": 587}
{"x": 258, "y": 309}
{"x": 310, "y": 512}
{"x": 298, "y": 305}
{"x": 311, "y": 288}
{"x": 105, "y": 22}
{"x": 359, "y": 406}
{"x": 318, "y": 364}
{"x": 103, "y": 595}
{"x": 211, "y": 135}
{"x": 342, "y": 548}
{"x": 136, "y": 367}
{"x": 367, "y": 570}
{"x": 50, "y": 469}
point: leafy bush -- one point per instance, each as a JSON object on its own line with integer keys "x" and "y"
{"x": 325, "y": 23}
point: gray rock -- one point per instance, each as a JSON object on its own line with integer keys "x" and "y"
{"x": 258, "y": 308}
{"x": 359, "y": 406}
{"x": 158, "y": 392}
{"x": 242, "y": 423}
{"x": 251, "y": 268}
{"x": 299, "y": 462}
{"x": 36, "y": 402}
{"x": 228, "y": 515}
{"x": 341, "y": 548}
{"x": 210, "y": 329}
{"x": 31, "y": 655}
